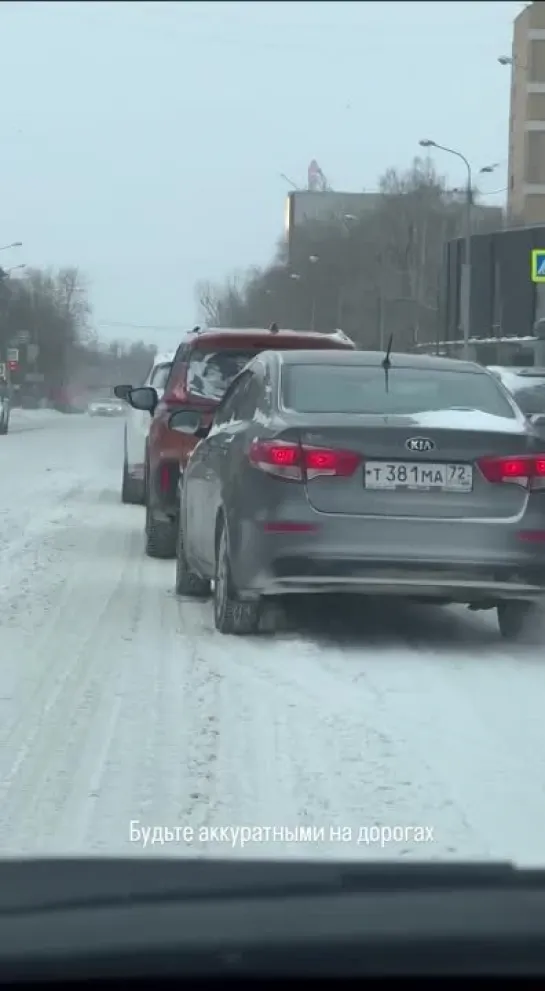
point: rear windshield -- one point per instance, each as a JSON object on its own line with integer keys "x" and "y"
{"x": 360, "y": 389}
{"x": 210, "y": 373}
{"x": 528, "y": 392}
{"x": 160, "y": 375}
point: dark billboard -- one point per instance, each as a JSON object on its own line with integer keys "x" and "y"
{"x": 503, "y": 296}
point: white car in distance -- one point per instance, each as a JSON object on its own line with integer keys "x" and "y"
{"x": 105, "y": 406}
{"x": 137, "y": 425}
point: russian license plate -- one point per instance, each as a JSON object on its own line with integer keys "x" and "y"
{"x": 418, "y": 476}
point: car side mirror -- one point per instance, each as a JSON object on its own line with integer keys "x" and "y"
{"x": 145, "y": 398}
{"x": 186, "y": 421}
{"x": 122, "y": 392}
{"x": 537, "y": 419}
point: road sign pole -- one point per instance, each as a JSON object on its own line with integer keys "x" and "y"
{"x": 466, "y": 297}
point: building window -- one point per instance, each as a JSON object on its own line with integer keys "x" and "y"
{"x": 535, "y": 106}
{"x": 536, "y": 62}
{"x": 535, "y": 156}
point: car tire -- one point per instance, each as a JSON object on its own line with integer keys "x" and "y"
{"x": 231, "y": 616}
{"x": 519, "y": 621}
{"x": 132, "y": 489}
{"x": 187, "y": 582}
{"x": 160, "y": 537}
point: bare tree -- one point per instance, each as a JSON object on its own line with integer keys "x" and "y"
{"x": 45, "y": 315}
{"x": 209, "y": 301}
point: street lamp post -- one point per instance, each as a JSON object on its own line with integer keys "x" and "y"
{"x": 466, "y": 268}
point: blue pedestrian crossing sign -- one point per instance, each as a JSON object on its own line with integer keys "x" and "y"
{"x": 538, "y": 265}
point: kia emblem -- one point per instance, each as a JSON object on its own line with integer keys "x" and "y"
{"x": 419, "y": 444}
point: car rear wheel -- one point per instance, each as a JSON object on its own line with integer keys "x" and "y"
{"x": 187, "y": 582}
{"x": 132, "y": 489}
{"x": 160, "y": 536}
{"x": 520, "y": 622}
{"x": 232, "y": 616}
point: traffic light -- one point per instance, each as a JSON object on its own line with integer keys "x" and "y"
{"x": 13, "y": 366}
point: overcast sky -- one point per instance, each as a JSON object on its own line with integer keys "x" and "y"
{"x": 144, "y": 141}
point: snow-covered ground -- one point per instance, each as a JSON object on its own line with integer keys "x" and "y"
{"x": 119, "y": 704}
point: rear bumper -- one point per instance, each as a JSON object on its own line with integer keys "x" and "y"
{"x": 136, "y": 471}
{"x": 489, "y": 564}
{"x": 290, "y": 576}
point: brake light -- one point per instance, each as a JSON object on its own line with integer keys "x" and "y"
{"x": 165, "y": 478}
{"x": 298, "y": 462}
{"x": 525, "y": 470}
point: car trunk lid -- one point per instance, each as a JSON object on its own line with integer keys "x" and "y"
{"x": 420, "y": 467}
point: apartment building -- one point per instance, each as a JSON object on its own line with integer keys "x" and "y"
{"x": 526, "y": 191}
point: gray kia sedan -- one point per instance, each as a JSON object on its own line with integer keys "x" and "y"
{"x": 356, "y": 472}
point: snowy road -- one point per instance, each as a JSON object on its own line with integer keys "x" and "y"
{"x": 119, "y": 703}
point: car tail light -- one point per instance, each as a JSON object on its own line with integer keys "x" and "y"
{"x": 526, "y": 470}
{"x": 532, "y": 536}
{"x": 298, "y": 462}
{"x": 165, "y": 478}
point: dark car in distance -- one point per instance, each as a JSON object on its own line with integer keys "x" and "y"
{"x": 339, "y": 472}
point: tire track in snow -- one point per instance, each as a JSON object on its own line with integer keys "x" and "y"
{"x": 68, "y": 685}
{"x": 468, "y": 708}
{"x": 313, "y": 751}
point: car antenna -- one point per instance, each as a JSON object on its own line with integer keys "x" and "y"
{"x": 273, "y": 329}
{"x": 386, "y": 363}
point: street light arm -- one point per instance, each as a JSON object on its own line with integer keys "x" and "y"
{"x": 458, "y": 154}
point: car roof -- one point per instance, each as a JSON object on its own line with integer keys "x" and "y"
{"x": 375, "y": 358}
{"x": 257, "y": 330}
{"x": 267, "y": 333}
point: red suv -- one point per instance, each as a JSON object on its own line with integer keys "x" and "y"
{"x": 204, "y": 365}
